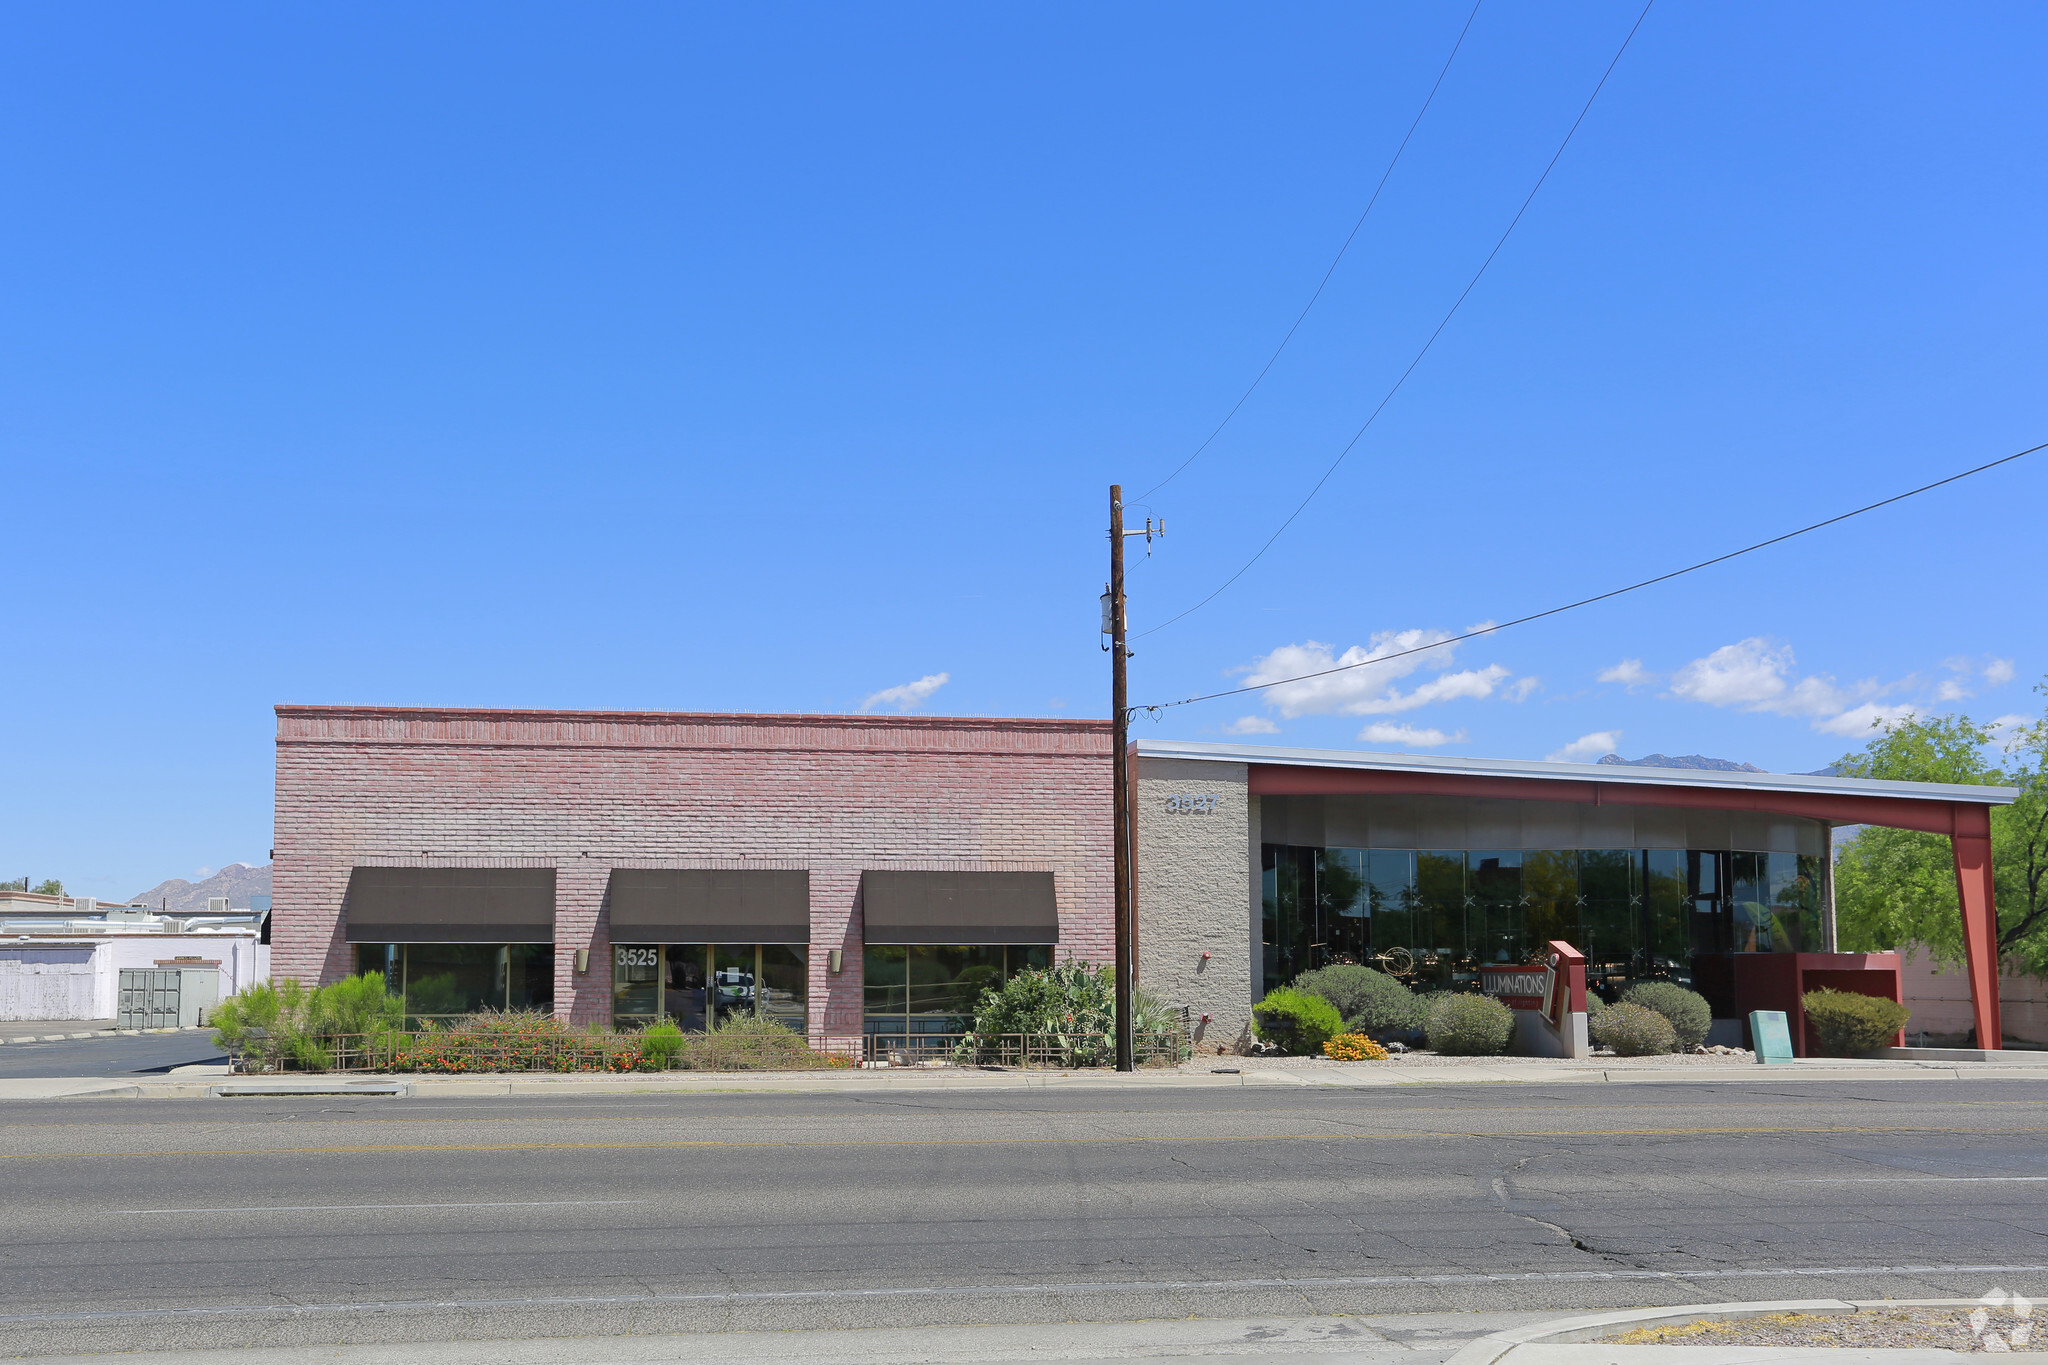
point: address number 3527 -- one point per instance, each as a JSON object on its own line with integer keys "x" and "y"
{"x": 1191, "y": 805}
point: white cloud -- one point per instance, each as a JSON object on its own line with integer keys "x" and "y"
{"x": 1251, "y": 725}
{"x": 1587, "y": 748}
{"x": 202, "y": 873}
{"x": 1382, "y": 732}
{"x": 1630, "y": 673}
{"x": 1857, "y": 721}
{"x": 1950, "y": 690}
{"x": 1998, "y": 671}
{"x": 907, "y": 697}
{"x": 1520, "y": 689}
{"x": 1756, "y": 675}
{"x": 1371, "y": 690}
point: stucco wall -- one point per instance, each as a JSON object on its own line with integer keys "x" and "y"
{"x": 1192, "y": 895}
{"x": 1939, "y": 995}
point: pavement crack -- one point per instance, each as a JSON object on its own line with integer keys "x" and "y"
{"x": 1500, "y": 1193}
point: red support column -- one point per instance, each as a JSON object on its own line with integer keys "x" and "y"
{"x": 1972, "y": 844}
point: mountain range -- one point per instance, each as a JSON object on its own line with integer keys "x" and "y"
{"x": 1719, "y": 765}
{"x": 236, "y": 881}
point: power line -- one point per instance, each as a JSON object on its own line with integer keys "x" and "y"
{"x": 1602, "y": 597}
{"x": 1359, "y": 435}
{"x": 1384, "y": 177}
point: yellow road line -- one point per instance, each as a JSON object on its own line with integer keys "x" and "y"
{"x": 988, "y": 1142}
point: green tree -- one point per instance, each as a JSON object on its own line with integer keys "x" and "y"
{"x": 1896, "y": 887}
{"x": 52, "y": 887}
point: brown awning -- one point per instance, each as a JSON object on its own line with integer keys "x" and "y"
{"x": 451, "y": 905}
{"x": 710, "y": 905}
{"x": 959, "y": 907}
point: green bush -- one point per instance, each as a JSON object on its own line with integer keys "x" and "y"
{"x": 1633, "y": 1031}
{"x": 1688, "y": 1011}
{"x": 1462, "y": 1025}
{"x": 1072, "y": 998}
{"x": 354, "y": 1005}
{"x": 281, "y": 1024}
{"x": 660, "y": 1043}
{"x": 1370, "y": 1002}
{"x": 1847, "y": 1025}
{"x": 1295, "y": 1021}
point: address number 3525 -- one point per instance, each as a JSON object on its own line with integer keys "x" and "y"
{"x": 1191, "y": 805}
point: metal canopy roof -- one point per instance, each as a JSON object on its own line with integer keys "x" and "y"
{"x": 1617, "y": 774}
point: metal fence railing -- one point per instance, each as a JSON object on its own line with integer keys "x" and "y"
{"x": 1020, "y": 1049}
{"x": 465, "y": 1052}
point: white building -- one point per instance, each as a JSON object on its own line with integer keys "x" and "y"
{"x": 71, "y": 958}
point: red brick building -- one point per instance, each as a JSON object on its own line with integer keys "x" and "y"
{"x": 840, "y": 871}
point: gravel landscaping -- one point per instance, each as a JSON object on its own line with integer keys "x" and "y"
{"x": 1420, "y": 1058}
{"x": 1949, "y": 1329}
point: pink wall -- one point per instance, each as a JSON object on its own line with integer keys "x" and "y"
{"x": 1939, "y": 996}
{"x": 582, "y": 791}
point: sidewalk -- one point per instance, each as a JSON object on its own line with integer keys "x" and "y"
{"x": 201, "y": 1081}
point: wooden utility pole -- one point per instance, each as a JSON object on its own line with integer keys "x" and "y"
{"x": 1119, "y": 709}
{"x": 1116, "y": 625}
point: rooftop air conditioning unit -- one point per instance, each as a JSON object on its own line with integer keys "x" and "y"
{"x": 84, "y": 905}
{"x": 216, "y": 905}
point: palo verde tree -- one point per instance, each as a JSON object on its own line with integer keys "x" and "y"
{"x": 1895, "y": 887}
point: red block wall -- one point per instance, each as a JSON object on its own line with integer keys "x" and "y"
{"x": 584, "y": 791}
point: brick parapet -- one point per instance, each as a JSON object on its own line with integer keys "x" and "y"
{"x": 588, "y": 791}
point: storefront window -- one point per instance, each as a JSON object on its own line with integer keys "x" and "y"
{"x": 700, "y": 984}
{"x": 445, "y": 980}
{"x": 933, "y": 988}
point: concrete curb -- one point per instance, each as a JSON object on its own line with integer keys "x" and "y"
{"x": 239, "y": 1089}
{"x": 1500, "y": 1346}
{"x": 204, "y": 1083}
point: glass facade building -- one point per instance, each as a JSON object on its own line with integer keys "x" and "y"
{"x": 1438, "y": 915}
{"x": 1432, "y": 888}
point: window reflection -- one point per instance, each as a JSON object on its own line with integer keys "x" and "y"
{"x": 443, "y": 980}
{"x": 1441, "y": 914}
{"x": 913, "y": 989}
{"x": 699, "y": 985}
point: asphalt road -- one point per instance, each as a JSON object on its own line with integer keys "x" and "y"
{"x": 111, "y": 1055}
{"x": 221, "y": 1222}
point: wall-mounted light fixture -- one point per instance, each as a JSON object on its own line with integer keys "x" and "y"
{"x": 835, "y": 960}
{"x": 582, "y": 961}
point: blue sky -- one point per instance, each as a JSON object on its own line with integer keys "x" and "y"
{"x": 768, "y": 358}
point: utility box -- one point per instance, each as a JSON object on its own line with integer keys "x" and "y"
{"x": 149, "y": 999}
{"x": 168, "y": 996}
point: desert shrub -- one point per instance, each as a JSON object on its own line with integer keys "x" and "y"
{"x": 1462, "y": 1025}
{"x": 355, "y": 1005}
{"x": 1369, "y": 1001}
{"x": 307, "y": 1053}
{"x": 747, "y": 1042}
{"x": 1353, "y": 1047}
{"x": 1633, "y": 1031}
{"x": 1688, "y": 1011}
{"x": 241, "y": 1019}
{"x": 1846, "y": 1024}
{"x": 1294, "y": 1021}
{"x": 661, "y": 1043}
{"x": 1072, "y": 998}
{"x": 271, "y": 1025}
